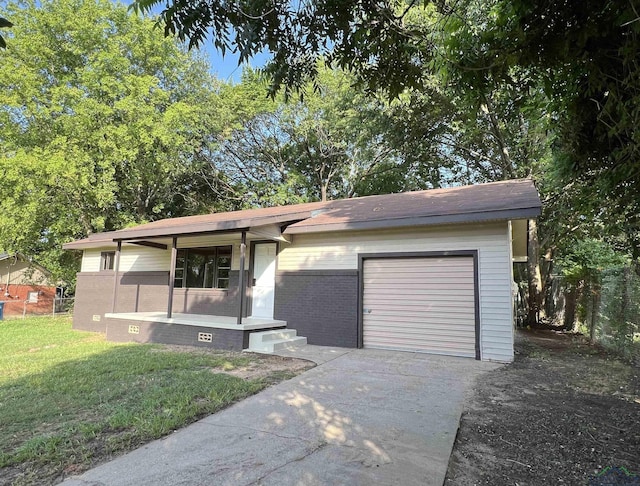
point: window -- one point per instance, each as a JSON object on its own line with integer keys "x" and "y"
{"x": 203, "y": 268}
{"x": 106, "y": 260}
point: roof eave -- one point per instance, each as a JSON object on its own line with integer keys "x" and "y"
{"x": 232, "y": 226}
{"x": 509, "y": 214}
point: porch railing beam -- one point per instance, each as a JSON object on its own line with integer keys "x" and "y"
{"x": 172, "y": 274}
{"x": 241, "y": 283}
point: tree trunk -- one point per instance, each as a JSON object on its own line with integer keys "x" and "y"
{"x": 534, "y": 278}
{"x": 595, "y": 305}
{"x": 580, "y": 290}
{"x": 570, "y": 303}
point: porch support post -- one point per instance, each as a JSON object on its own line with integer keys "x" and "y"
{"x": 116, "y": 267}
{"x": 172, "y": 274}
{"x": 241, "y": 285}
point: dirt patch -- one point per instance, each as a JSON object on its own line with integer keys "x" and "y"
{"x": 260, "y": 366}
{"x": 270, "y": 367}
{"x": 562, "y": 413}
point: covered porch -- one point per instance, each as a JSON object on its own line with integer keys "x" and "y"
{"x": 215, "y": 288}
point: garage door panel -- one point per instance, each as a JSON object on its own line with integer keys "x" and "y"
{"x": 434, "y": 333}
{"x": 421, "y": 285}
{"x": 419, "y": 314}
{"x": 415, "y": 343}
{"x": 439, "y": 300}
{"x": 419, "y": 319}
{"x": 403, "y": 292}
{"x": 448, "y": 350}
{"x": 420, "y": 304}
{"x": 444, "y": 273}
{"x": 408, "y": 263}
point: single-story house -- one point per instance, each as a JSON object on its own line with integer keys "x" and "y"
{"x": 25, "y": 286}
{"x": 425, "y": 271}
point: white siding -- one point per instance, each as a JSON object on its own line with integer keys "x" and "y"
{"x": 136, "y": 258}
{"x": 91, "y": 259}
{"x": 132, "y": 259}
{"x": 339, "y": 250}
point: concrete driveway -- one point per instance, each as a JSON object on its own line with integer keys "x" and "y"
{"x": 362, "y": 417}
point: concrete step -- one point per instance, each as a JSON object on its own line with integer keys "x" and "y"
{"x": 277, "y": 335}
{"x": 270, "y": 341}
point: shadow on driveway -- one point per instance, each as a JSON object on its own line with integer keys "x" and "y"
{"x": 365, "y": 417}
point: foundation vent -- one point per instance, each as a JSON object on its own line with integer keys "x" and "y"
{"x": 134, "y": 329}
{"x": 205, "y": 337}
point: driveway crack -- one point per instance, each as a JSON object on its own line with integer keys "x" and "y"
{"x": 318, "y": 447}
{"x": 258, "y": 430}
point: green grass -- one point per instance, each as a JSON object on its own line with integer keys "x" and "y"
{"x": 69, "y": 398}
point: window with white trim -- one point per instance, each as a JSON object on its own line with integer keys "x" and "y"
{"x": 203, "y": 268}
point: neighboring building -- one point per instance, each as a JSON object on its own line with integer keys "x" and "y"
{"x": 427, "y": 271}
{"x": 25, "y": 286}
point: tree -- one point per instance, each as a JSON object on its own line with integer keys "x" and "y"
{"x": 104, "y": 125}
{"x": 371, "y": 38}
{"x": 582, "y": 56}
{"x": 329, "y": 145}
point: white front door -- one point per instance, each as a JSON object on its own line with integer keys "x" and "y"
{"x": 264, "y": 280}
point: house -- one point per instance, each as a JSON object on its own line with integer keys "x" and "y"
{"x": 427, "y": 271}
{"x": 25, "y": 286}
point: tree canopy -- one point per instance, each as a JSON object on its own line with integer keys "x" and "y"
{"x": 104, "y": 123}
{"x": 580, "y": 57}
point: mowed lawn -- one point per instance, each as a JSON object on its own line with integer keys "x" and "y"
{"x": 69, "y": 399}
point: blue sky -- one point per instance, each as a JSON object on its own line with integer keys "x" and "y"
{"x": 227, "y": 68}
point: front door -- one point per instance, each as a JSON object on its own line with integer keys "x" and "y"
{"x": 264, "y": 280}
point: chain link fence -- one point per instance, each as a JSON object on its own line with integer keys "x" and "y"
{"x": 21, "y": 308}
{"x": 609, "y": 310}
{"x": 606, "y": 308}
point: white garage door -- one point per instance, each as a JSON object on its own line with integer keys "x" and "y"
{"x": 420, "y": 304}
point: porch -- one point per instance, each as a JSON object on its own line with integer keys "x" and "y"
{"x": 201, "y": 320}
{"x": 220, "y": 332}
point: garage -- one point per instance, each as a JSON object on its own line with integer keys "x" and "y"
{"x": 421, "y": 303}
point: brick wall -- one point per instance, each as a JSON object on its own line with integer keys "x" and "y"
{"x": 145, "y": 292}
{"x": 320, "y": 304}
{"x": 15, "y": 304}
{"x": 93, "y": 297}
{"x": 153, "y": 332}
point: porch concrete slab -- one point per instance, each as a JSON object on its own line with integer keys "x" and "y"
{"x": 201, "y": 320}
{"x": 363, "y": 417}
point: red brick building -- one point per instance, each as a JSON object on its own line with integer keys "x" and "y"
{"x": 25, "y": 287}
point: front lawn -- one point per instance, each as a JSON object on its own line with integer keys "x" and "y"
{"x": 69, "y": 399}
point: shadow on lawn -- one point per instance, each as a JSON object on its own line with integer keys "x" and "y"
{"x": 83, "y": 411}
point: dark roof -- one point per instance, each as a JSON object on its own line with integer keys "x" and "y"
{"x": 516, "y": 199}
{"x": 465, "y": 204}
